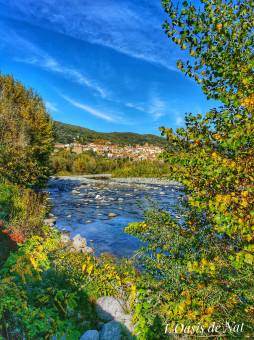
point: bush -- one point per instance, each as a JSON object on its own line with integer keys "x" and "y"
{"x": 46, "y": 289}
{"x": 142, "y": 169}
{"x": 188, "y": 277}
{"x": 23, "y": 210}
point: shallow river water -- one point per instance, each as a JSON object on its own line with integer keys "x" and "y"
{"x": 82, "y": 207}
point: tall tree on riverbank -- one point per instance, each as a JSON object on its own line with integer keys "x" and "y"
{"x": 205, "y": 263}
{"x": 26, "y": 134}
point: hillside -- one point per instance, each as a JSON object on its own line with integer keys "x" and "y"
{"x": 64, "y": 133}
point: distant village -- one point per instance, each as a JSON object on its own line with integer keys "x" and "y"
{"x": 106, "y": 149}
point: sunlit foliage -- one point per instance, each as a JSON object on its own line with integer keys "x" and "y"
{"x": 26, "y": 134}
{"x": 201, "y": 266}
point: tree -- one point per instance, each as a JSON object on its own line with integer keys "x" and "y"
{"x": 26, "y": 134}
{"x": 220, "y": 40}
{"x": 201, "y": 267}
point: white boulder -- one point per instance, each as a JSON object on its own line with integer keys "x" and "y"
{"x": 109, "y": 308}
{"x": 79, "y": 242}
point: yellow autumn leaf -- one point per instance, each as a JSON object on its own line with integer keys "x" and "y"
{"x": 89, "y": 270}
{"x": 219, "y": 27}
{"x": 244, "y": 204}
{"x": 32, "y": 260}
{"x": 204, "y": 262}
{"x": 169, "y": 313}
{"x": 118, "y": 279}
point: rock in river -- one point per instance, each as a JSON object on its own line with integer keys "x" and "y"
{"x": 112, "y": 215}
{"x": 50, "y": 222}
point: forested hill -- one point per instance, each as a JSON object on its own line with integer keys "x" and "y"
{"x": 64, "y": 133}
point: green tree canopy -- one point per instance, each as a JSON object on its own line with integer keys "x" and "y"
{"x": 26, "y": 134}
{"x": 220, "y": 40}
{"x": 201, "y": 266}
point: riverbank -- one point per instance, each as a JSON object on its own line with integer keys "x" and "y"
{"x": 107, "y": 179}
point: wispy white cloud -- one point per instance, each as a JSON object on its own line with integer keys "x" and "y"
{"x": 129, "y": 27}
{"x": 32, "y": 54}
{"x": 136, "y": 107}
{"x": 157, "y": 107}
{"x": 72, "y": 74}
{"x": 51, "y": 107}
{"x": 90, "y": 110}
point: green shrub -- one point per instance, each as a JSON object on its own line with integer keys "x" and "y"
{"x": 22, "y": 210}
{"x": 188, "y": 276}
{"x": 46, "y": 289}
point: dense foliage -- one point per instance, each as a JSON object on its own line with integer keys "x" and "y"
{"x": 66, "y": 162}
{"x": 145, "y": 168}
{"x": 69, "y": 163}
{"x": 48, "y": 290}
{"x": 26, "y": 134}
{"x": 22, "y": 212}
{"x": 200, "y": 268}
{"x": 198, "y": 260}
{"x": 66, "y": 132}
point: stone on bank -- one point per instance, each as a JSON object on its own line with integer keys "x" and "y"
{"x": 91, "y": 335}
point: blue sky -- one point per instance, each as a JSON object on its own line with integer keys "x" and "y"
{"x": 102, "y": 64}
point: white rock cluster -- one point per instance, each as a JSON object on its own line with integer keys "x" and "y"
{"x": 111, "y": 311}
{"x": 79, "y": 245}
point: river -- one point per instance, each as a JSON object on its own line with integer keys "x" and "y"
{"x": 82, "y": 205}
